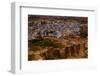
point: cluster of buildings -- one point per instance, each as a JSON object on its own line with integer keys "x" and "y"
{"x": 53, "y": 27}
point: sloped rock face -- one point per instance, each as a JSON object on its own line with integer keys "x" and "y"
{"x": 71, "y": 51}
{"x": 53, "y": 53}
